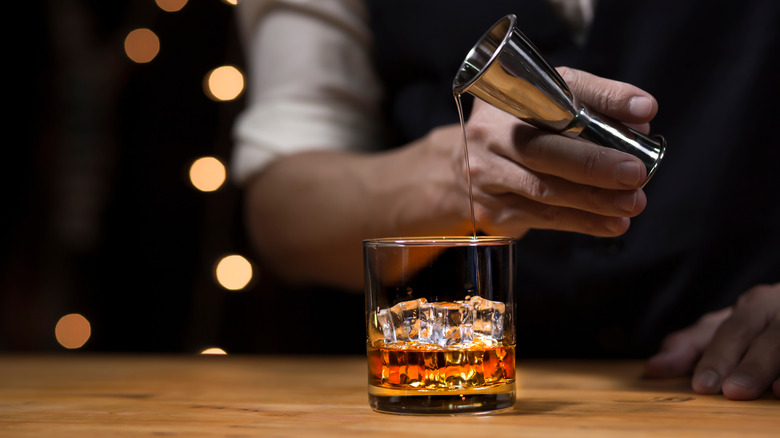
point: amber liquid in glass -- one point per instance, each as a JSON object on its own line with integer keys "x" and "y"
{"x": 413, "y": 377}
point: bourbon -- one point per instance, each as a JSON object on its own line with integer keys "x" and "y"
{"x": 411, "y": 377}
{"x": 412, "y": 365}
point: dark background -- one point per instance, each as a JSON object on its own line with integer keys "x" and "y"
{"x": 99, "y": 216}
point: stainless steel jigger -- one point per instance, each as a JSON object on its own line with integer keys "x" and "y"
{"x": 505, "y": 70}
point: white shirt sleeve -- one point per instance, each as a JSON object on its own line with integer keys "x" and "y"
{"x": 311, "y": 84}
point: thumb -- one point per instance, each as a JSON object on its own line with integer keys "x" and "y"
{"x": 619, "y": 100}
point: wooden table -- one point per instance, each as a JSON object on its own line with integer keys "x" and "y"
{"x": 258, "y": 396}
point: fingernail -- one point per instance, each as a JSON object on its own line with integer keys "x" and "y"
{"x": 740, "y": 386}
{"x": 640, "y": 107}
{"x": 626, "y": 202}
{"x": 617, "y": 225}
{"x": 742, "y": 380}
{"x": 707, "y": 382}
{"x": 628, "y": 173}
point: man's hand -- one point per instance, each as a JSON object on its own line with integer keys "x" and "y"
{"x": 523, "y": 177}
{"x": 735, "y": 351}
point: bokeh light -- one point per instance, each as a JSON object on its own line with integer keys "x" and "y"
{"x": 214, "y": 351}
{"x": 142, "y": 45}
{"x": 234, "y": 272}
{"x": 207, "y": 174}
{"x": 171, "y": 5}
{"x": 230, "y": 2}
{"x": 224, "y": 83}
{"x": 72, "y": 331}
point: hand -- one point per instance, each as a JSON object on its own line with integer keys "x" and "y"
{"x": 735, "y": 351}
{"x": 523, "y": 177}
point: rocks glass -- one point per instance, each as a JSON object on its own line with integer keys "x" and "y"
{"x": 440, "y": 324}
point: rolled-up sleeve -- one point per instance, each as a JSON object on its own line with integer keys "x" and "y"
{"x": 311, "y": 84}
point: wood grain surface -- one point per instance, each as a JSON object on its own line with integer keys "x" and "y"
{"x": 73, "y": 395}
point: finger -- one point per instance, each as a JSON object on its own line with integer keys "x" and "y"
{"x": 758, "y": 369}
{"x": 575, "y": 160}
{"x": 674, "y": 360}
{"x": 732, "y": 340}
{"x": 680, "y": 350}
{"x": 512, "y": 215}
{"x": 619, "y": 100}
{"x": 554, "y": 191}
{"x": 644, "y": 128}
{"x": 497, "y": 176}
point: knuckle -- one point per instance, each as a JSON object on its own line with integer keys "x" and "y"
{"x": 476, "y": 165}
{"x": 476, "y": 131}
{"x": 590, "y": 161}
{"x": 537, "y": 188}
{"x": 554, "y": 218}
{"x": 611, "y": 99}
{"x": 592, "y": 199}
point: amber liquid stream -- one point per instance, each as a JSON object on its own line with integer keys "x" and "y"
{"x": 459, "y": 104}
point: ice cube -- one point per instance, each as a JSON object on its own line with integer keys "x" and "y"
{"x": 385, "y": 322}
{"x": 446, "y": 323}
{"x": 402, "y": 321}
{"x": 488, "y": 317}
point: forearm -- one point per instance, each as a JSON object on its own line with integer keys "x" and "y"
{"x": 308, "y": 213}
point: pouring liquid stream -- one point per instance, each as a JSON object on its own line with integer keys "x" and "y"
{"x": 459, "y": 104}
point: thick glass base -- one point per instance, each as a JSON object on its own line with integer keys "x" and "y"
{"x": 471, "y": 401}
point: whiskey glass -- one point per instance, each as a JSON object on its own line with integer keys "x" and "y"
{"x": 440, "y": 324}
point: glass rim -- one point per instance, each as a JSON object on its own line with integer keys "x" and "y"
{"x": 440, "y": 241}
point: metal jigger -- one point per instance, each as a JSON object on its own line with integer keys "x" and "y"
{"x": 505, "y": 70}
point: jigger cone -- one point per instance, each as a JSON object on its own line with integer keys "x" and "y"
{"x": 505, "y": 70}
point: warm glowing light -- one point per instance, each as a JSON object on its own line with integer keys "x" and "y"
{"x": 171, "y": 5}
{"x": 234, "y": 272}
{"x": 207, "y": 174}
{"x": 72, "y": 331}
{"x": 224, "y": 83}
{"x": 142, "y": 45}
{"x": 213, "y": 351}
{"x": 231, "y": 2}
